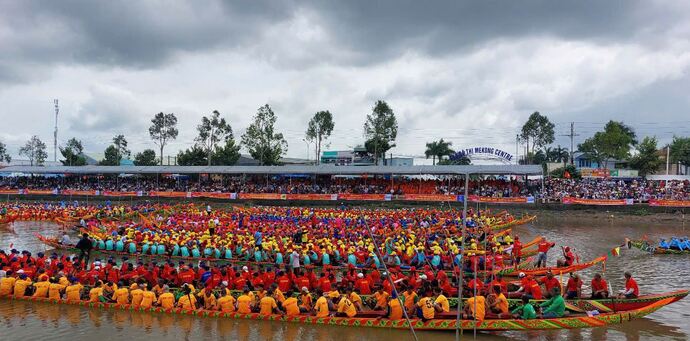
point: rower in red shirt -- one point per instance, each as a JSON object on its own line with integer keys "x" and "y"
{"x": 550, "y": 282}
{"x": 600, "y": 288}
{"x": 631, "y": 288}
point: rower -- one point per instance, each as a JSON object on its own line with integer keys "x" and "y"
{"x": 631, "y": 289}
{"x": 555, "y": 306}
{"x": 525, "y": 311}
{"x": 599, "y": 287}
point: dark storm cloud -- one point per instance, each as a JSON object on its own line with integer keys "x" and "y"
{"x": 147, "y": 34}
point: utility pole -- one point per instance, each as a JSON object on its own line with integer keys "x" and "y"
{"x": 572, "y": 145}
{"x": 57, "y": 109}
{"x": 517, "y": 149}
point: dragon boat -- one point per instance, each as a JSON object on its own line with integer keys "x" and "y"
{"x": 442, "y": 322}
{"x": 645, "y": 246}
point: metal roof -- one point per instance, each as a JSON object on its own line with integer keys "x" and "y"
{"x": 290, "y": 169}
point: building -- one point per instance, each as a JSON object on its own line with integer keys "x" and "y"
{"x": 358, "y": 156}
{"x": 668, "y": 167}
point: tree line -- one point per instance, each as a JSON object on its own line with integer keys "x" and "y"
{"x": 215, "y": 142}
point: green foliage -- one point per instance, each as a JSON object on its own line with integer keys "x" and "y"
{"x": 120, "y": 144}
{"x": 146, "y": 158}
{"x": 263, "y": 143}
{"x": 319, "y": 129}
{"x": 226, "y": 155}
{"x": 438, "y": 149}
{"x": 380, "y": 130}
{"x": 212, "y": 131}
{"x": 195, "y": 156}
{"x": 680, "y": 150}
{"x": 163, "y": 129}
{"x": 538, "y": 130}
{"x": 614, "y": 142}
{"x": 35, "y": 151}
{"x": 647, "y": 160}
{"x": 462, "y": 161}
{"x": 560, "y": 172}
{"x": 111, "y": 157}
{"x": 4, "y": 155}
{"x": 73, "y": 153}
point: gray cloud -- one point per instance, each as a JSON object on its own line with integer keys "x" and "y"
{"x": 469, "y": 71}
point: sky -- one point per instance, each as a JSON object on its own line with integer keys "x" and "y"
{"x": 467, "y": 71}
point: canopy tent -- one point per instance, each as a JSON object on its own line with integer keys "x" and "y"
{"x": 282, "y": 170}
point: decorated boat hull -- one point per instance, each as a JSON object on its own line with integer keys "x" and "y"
{"x": 580, "y": 321}
{"x": 646, "y": 247}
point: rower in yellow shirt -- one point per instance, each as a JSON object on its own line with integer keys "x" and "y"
{"x": 96, "y": 292}
{"x": 426, "y": 307}
{"x": 73, "y": 291}
{"x": 20, "y": 285}
{"x": 290, "y": 305}
{"x": 346, "y": 308}
{"x": 137, "y": 295}
{"x": 121, "y": 295}
{"x": 441, "y": 302}
{"x": 187, "y": 301}
{"x": 395, "y": 311}
{"x": 55, "y": 289}
{"x": 267, "y": 304}
{"x": 166, "y": 300}
{"x": 244, "y": 303}
{"x": 210, "y": 301}
{"x": 7, "y": 284}
{"x": 305, "y": 300}
{"x": 41, "y": 289}
{"x": 226, "y": 303}
{"x": 321, "y": 305}
{"x": 147, "y": 299}
{"x": 381, "y": 298}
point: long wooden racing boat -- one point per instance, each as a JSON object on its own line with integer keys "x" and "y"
{"x": 444, "y": 322}
{"x": 517, "y": 222}
{"x": 647, "y": 247}
{"x": 53, "y": 242}
{"x": 514, "y": 272}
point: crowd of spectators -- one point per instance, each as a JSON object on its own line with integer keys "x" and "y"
{"x": 640, "y": 189}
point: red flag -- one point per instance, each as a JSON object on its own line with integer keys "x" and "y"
{"x": 566, "y": 175}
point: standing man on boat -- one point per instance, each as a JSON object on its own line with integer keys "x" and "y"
{"x": 85, "y": 245}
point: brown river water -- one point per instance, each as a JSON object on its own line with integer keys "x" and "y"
{"x": 39, "y": 321}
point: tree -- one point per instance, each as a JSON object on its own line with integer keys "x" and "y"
{"x": 680, "y": 150}
{"x": 559, "y": 154}
{"x": 73, "y": 153}
{"x": 227, "y": 155}
{"x": 263, "y": 143}
{"x": 539, "y": 130}
{"x": 4, "y": 155}
{"x": 614, "y": 142}
{"x": 195, "y": 156}
{"x": 111, "y": 157}
{"x": 647, "y": 160}
{"x": 438, "y": 149}
{"x": 120, "y": 144}
{"x": 34, "y": 150}
{"x": 163, "y": 128}
{"x": 212, "y": 131}
{"x": 380, "y": 130}
{"x": 319, "y": 129}
{"x": 146, "y": 158}
{"x": 568, "y": 171}
{"x": 456, "y": 159}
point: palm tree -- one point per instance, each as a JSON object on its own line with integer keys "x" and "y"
{"x": 438, "y": 149}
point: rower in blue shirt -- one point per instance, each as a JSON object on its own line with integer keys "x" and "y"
{"x": 663, "y": 244}
{"x": 674, "y": 244}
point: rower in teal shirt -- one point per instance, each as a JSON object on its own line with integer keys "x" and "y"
{"x": 119, "y": 246}
{"x": 132, "y": 247}
{"x": 109, "y": 245}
